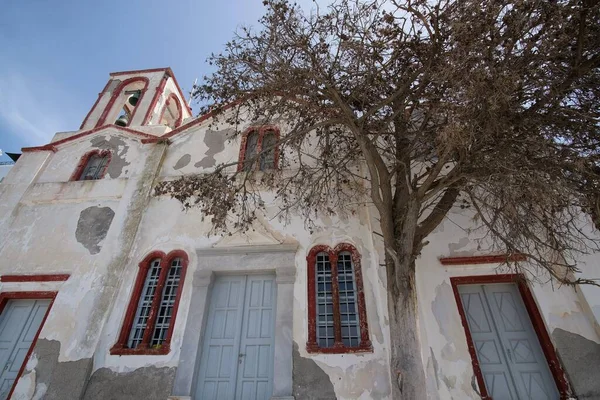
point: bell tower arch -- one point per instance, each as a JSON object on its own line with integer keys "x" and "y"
{"x": 139, "y": 99}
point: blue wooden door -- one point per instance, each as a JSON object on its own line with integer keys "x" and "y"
{"x": 509, "y": 353}
{"x": 237, "y": 351}
{"x": 19, "y": 323}
{"x": 255, "y": 363}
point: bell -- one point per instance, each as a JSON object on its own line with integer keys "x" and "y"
{"x": 122, "y": 121}
{"x": 133, "y": 99}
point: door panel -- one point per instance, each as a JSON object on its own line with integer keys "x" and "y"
{"x": 492, "y": 360}
{"x": 237, "y": 350}
{"x": 218, "y": 365}
{"x": 509, "y": 354}
{"x": 528, "y": 365}
{"x": 256, "y": 362}
{"x": 19, "y": 323}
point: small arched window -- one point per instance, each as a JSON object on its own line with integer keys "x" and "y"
{"x": 124, "y": 102}
{"x": 337, "y": 317}
{"x": 259, "y": 149}
{"x": 150, "y": 317}
{"x": 171, "y": 113}
{"x": 92, "y": 166}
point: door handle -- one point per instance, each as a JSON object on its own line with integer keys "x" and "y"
{"x": 240, "y": 357}
{"x": 509, "y": 355}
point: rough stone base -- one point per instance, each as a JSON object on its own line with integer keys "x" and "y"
{"x": 580, "y": 358}
{"x": 310, "y": 381}
{"x": 148, "y": 383}
{"x": 59, "y": 380}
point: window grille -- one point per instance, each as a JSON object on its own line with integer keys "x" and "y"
{"x": 337, "y": 313}
{"x": 144, "y": 305}
{"x": 167, "y": 302}
{"x": 150, "y": 317}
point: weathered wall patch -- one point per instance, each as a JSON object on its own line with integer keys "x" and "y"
{"x": 148, "y": 383}
{"x": 581, "y": 359}
{"x": 310, "y": 381}
{"x": 183, "y": 161}
{"x": 92, "y": 227}
{"x": 215, "y": 141}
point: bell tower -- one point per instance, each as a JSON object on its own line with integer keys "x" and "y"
{"x": 146, "y": 100}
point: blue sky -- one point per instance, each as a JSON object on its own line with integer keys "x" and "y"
{"x": 55, "y": 56}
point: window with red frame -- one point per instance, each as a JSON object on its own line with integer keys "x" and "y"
{"x": 259, "y": 149}
{"x": 150, "y": 317}
{"x": 92, "y": 166}
{"x": 337, "y": 317}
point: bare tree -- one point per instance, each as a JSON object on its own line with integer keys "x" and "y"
{"x": 418, "y": 106}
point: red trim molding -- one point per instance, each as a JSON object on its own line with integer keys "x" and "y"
{"x": 172, "y": 75}
{"x": 95, "y": 104}
{"x": 4, "y": 298}
{"x": 120, "y": 347}
{"x": 488, "y": 259}
{"x": 139, "y": 71}
{"x": 117, "y": 92}
{"x": 199, "y": 120}
{"x": 159, "y": 89}
{"x": 52, "y": 146}
{"x": 34, "y": 278}
{"x": 84, "y": 161}
{"x": 261, "y": 133}
{"x": 536, "y": 320}
{"x": 338, "y": 347}
{"x": 168, "y": 71}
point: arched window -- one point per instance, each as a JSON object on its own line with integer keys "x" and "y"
{"x": 92, "y": 166}
{"x": 337, "y": 317}
{"x": 123, "y": 104}
{"x": 259, "y": 140}
{"x": 150, "y": 317}
{"x": 171, "y": 113}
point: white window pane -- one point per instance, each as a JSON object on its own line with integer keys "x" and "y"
{"x": 348, "y": 299}
{"x": 144, "y": 305}
{"x": 94, "y": 167}
{"x": 250, "y": 152}
{"x": 167, "y": 302}
{"x": 325, "y": 335}
{"x": 267, "y": 158}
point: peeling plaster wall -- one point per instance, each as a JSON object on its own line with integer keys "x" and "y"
{"x": 148, "y": 383}
{"x": 444, "y": 347}
{"x": 204, "y": 146}
{"x": 51, "y": 225}
{"x": 125, "y": 153}
{"x": 352, "y": 375}
{"x": 82, "y": 231}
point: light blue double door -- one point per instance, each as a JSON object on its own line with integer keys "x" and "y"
{"x": 511, "y": 359}
{"x": 19, "y": 323}
{"x": 236, "y": 362}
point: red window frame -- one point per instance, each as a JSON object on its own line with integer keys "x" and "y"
{"x": 86, "y": 158}
{"x": 338, "y": 347}
{"x": 261, "y": 132}
{"x": 534, "y": 315}
{"x": 120, "y": 347}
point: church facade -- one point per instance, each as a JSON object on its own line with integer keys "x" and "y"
{"x": 109, "y": 291}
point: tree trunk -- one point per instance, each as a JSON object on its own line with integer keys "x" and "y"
{"x": 408, "y": 375}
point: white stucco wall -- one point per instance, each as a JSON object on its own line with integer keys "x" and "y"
{"x": 40, "y": 211}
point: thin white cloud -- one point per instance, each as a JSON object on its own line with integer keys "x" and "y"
{"x": 22, "y": 112}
